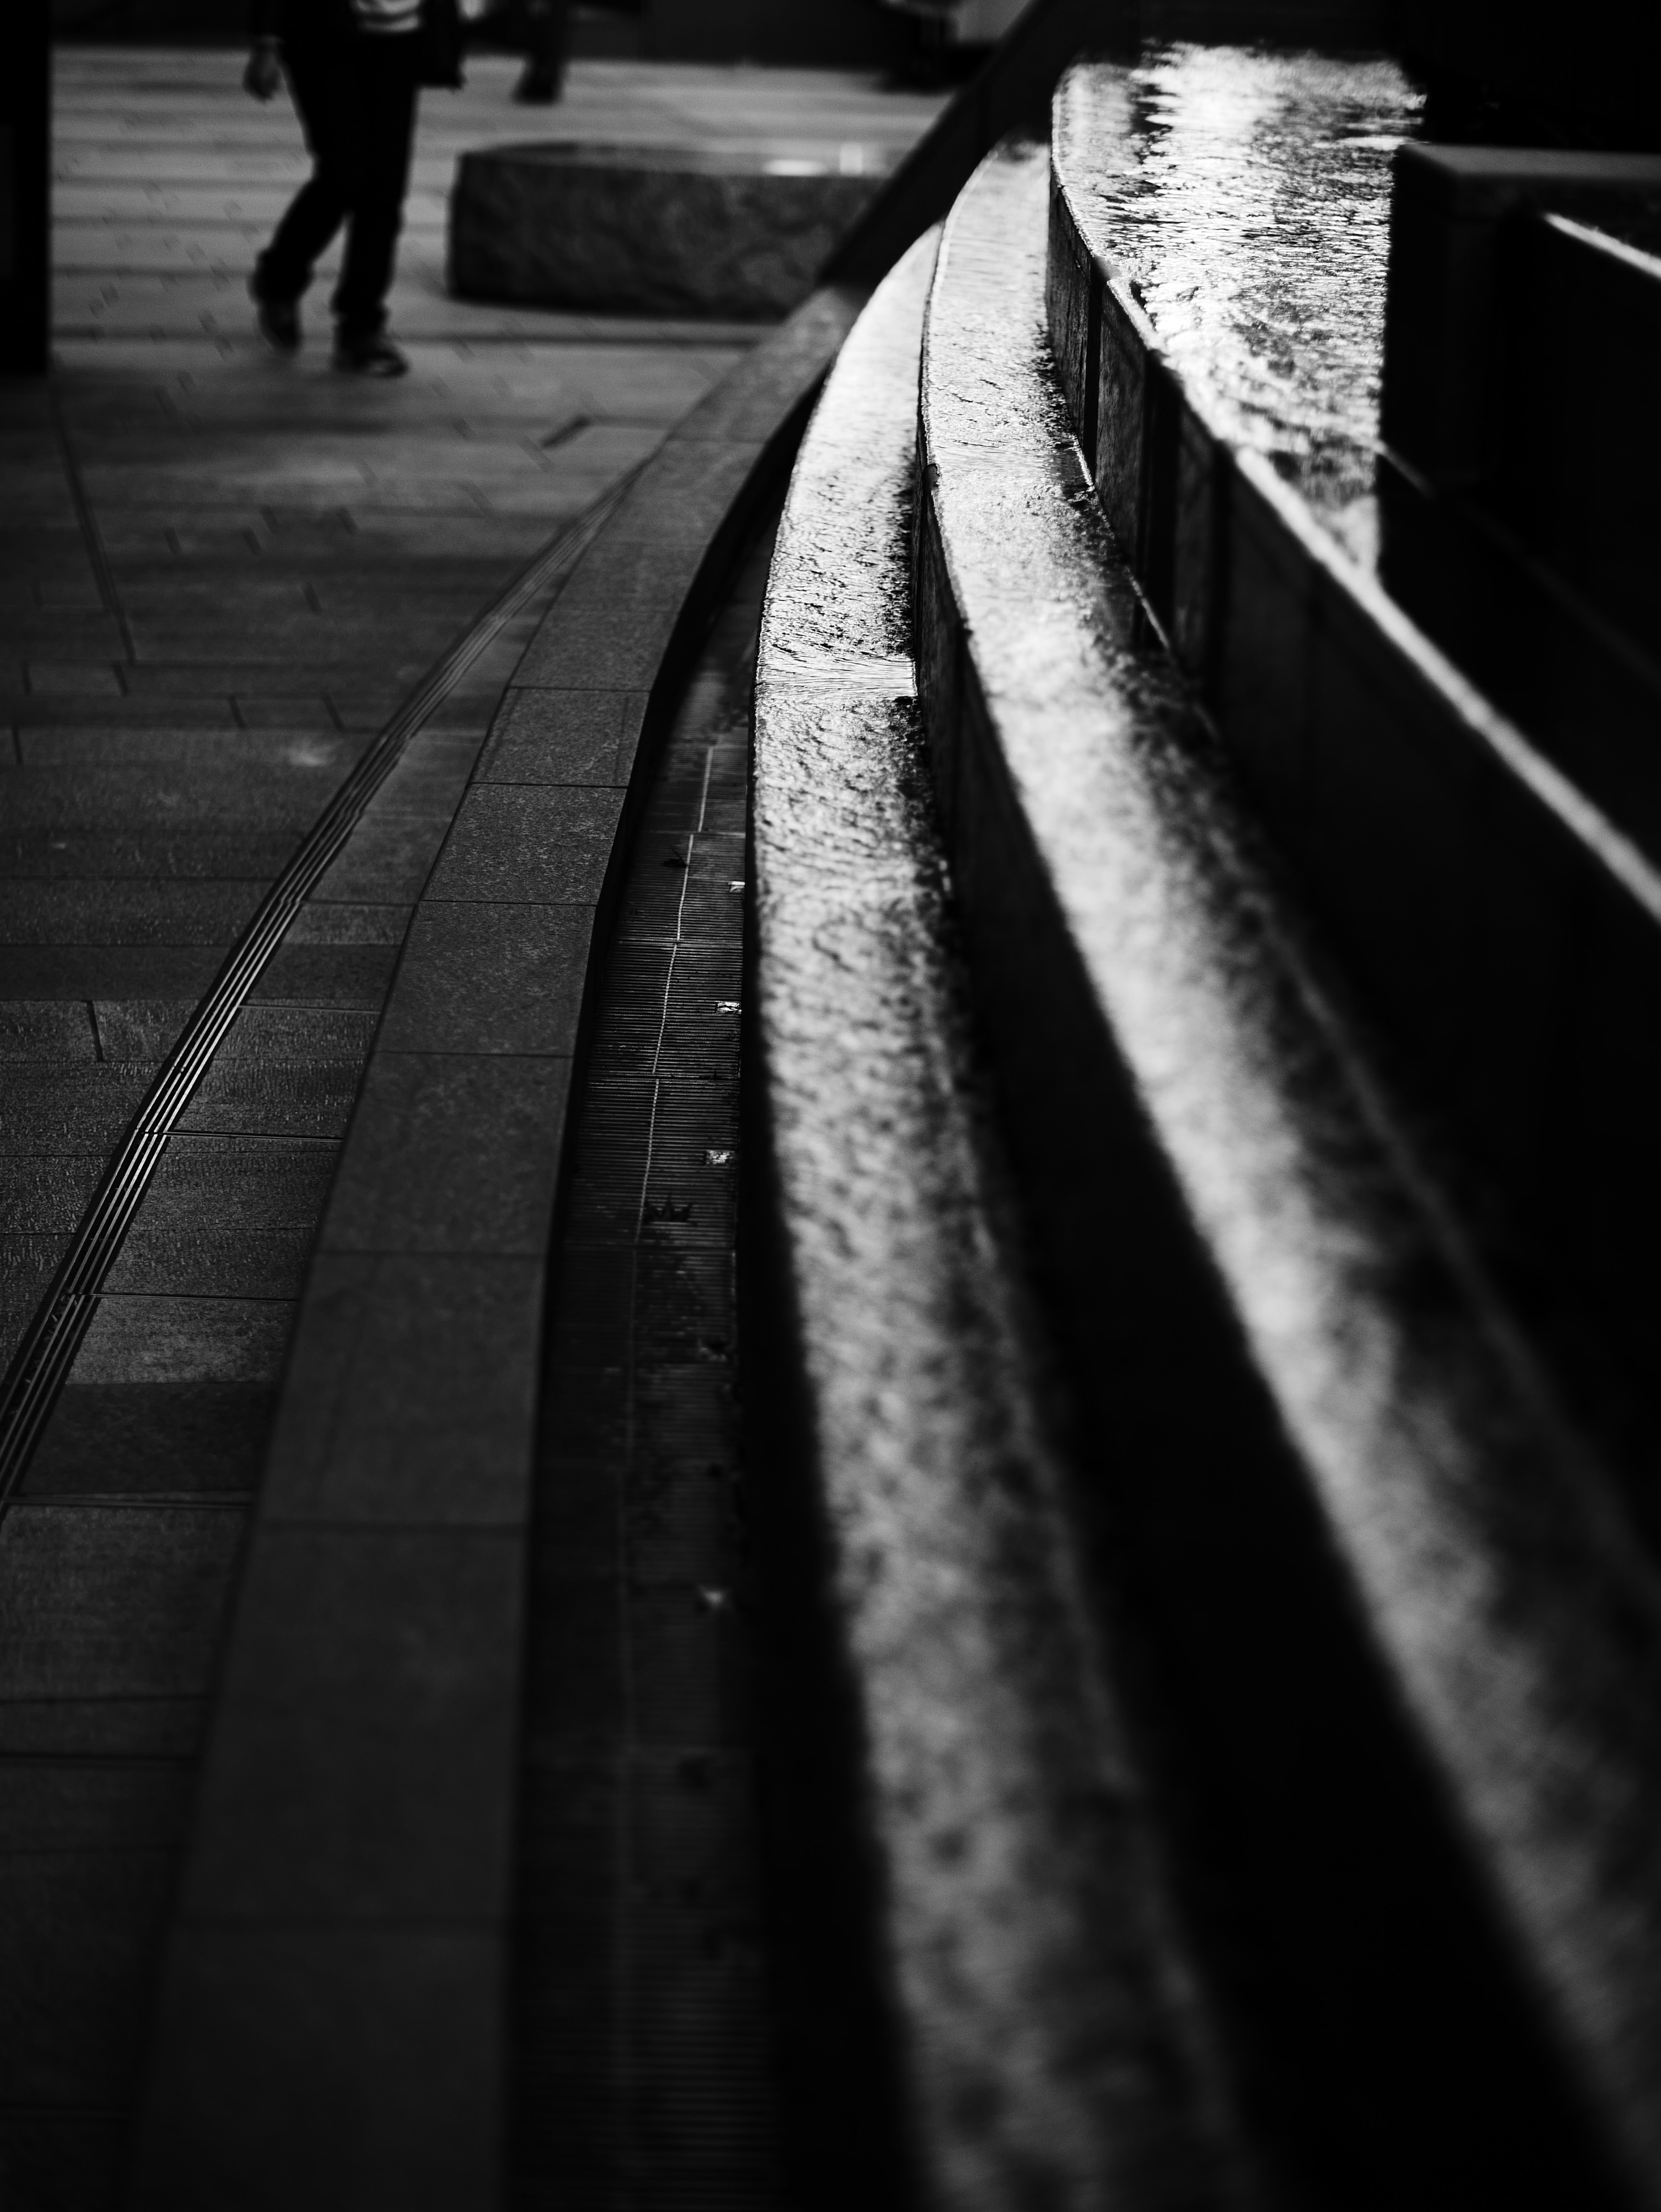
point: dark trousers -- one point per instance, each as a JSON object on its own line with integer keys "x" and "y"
{"x": 356, "y": 101}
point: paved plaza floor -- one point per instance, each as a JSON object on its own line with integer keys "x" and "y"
{"x": 221, "y": 572}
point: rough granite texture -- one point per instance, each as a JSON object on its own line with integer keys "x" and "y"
{"x": 1051, "y": 2056}
{"x": 621, "y": 232}
{"x": 1520, "y": 1626}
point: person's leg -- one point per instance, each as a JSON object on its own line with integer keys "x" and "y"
{"x": 544, "y": 72}
{"x": 384, "y": 79}
{"x": 316, "y": 79}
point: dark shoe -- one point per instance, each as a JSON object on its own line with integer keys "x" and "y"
{"x": 371, "y": 356}
{"x": 278, "y": 320}
{"x": 538, "y": 88}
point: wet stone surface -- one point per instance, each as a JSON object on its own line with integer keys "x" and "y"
{"x": 1246, "y": 196}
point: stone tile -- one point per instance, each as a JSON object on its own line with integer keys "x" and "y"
{"x": 46, "y": 1195}
{"x": 74, "y": 912}
{"x": 525, "y": 843}
{"x": 346, "y": 2069}
{"x": 746, "y": 407}
{"x": 483, "y": 979}
{"x": 109, "y": 971}
{"x": 363, "y": 1766}
{"x": 344, "y": 975}
{"x": 216, "y": 751}
{"x": 78, "y": 1940}
{"x": 130, "y": 1439}
{"x": 75, "y": 678}
{"x": 140, "y": 1029}
{"x": 386, "y": 861}
{"x": 54, "y": 1032}
{"x": 185, "y": 1340}
{"x": 271, "y": 1035}
{"x": 563, "y": 737}
{"x": 124, "y": 1727}
{"x": 227, "y": 1217}
{"x": 243, "y": 1097}
{"x": 87, "y": 1810}
{"x": 78, "y": 1108}
{"x": 28, "y": 1265}
{"x": 113, "y": 1602}
{"x": 116, "y": 795}
{"x": 686, "y": 491}
{"x": 412, "y": 1393}
{"x": 451, "y": 1153}
{"x": 341, "y": 924}
{"x": 67, "y": 2159}
{"x": 431, "y": 774}
{"x": 608, "y": 634}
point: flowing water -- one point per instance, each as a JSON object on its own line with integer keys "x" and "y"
{"x": 1245, "y": 194}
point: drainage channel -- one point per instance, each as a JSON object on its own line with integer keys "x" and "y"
{"x": 643, "y": 2054}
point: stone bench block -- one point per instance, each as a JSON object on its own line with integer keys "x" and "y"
{"x": 641, "y": 231}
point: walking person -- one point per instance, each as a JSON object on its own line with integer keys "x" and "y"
{"x": 547, "y": 27}
{"x": 354, "y": 67}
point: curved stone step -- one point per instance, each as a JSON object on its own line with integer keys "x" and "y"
{"x": 1500, "y": 923}
{"x": 1022, "y": 1974}
{"x": 1393, "y": 1652}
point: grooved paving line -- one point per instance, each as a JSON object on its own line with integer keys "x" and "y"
{"x": 118, "y": 1552}
{"x": 48, "y": 1351}
{"x": 641, "y": 2050}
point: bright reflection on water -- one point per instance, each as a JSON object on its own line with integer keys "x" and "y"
{"x": 1246, "y": 195}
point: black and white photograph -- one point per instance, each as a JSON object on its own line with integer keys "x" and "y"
{"x": 830, "y": 1106}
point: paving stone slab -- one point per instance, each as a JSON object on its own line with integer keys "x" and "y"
{"x": 254, "y": 2097}
{"x": 117, "y": 1602}
{"x": 140, "y": 1338}
{"x": 160, "y": 1439}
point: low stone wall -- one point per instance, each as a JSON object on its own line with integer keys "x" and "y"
{"x": 639, "y": 232}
